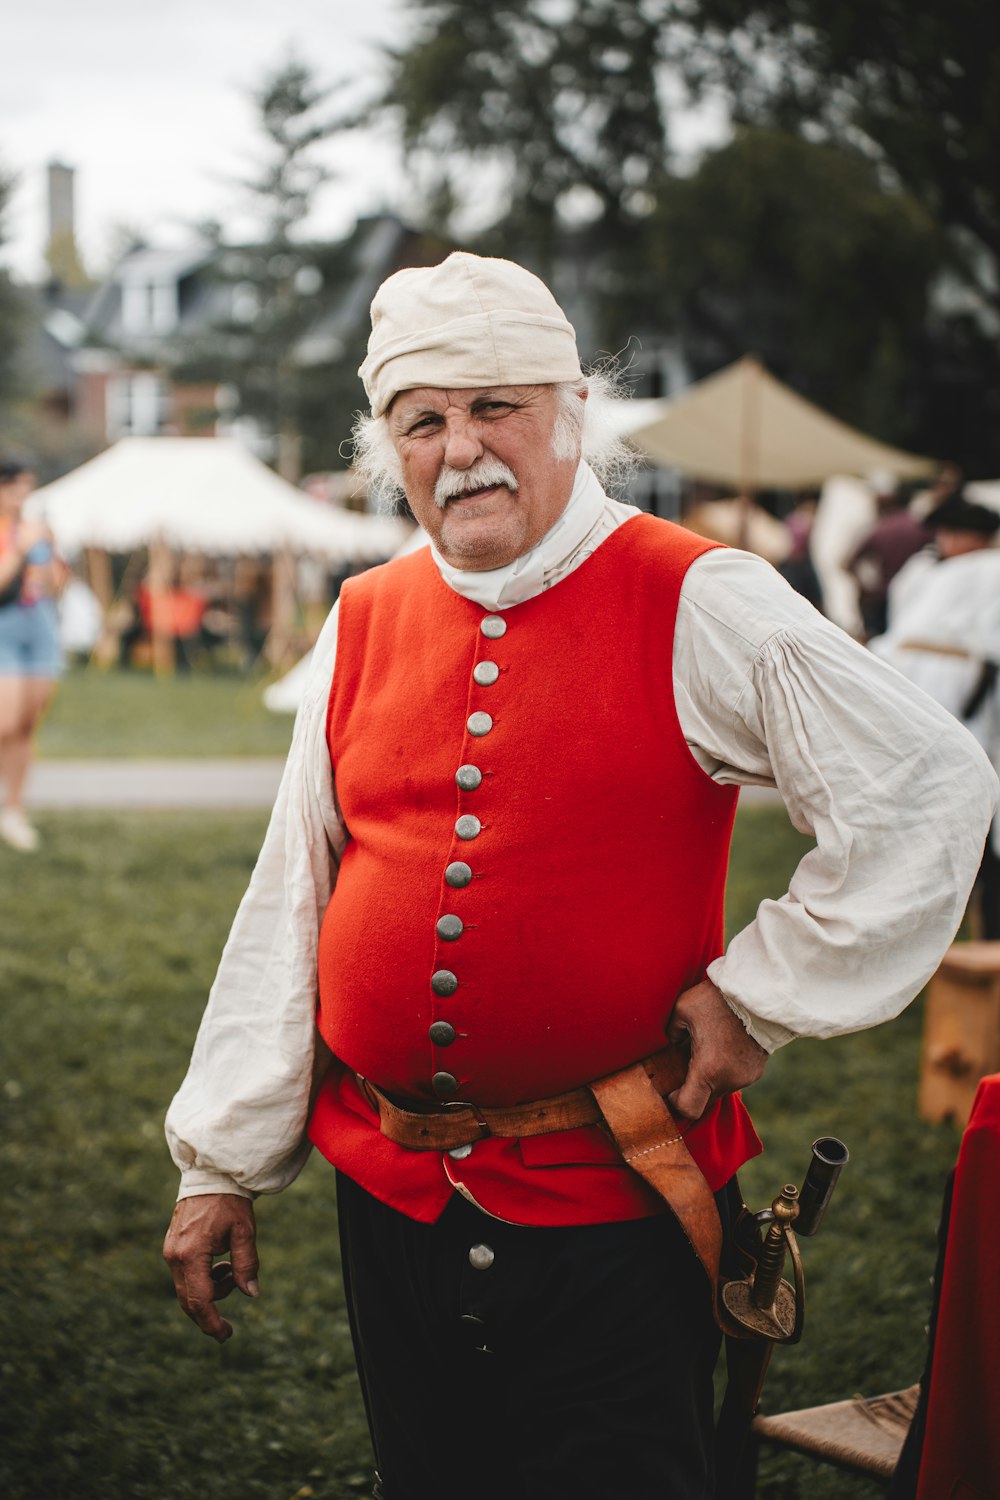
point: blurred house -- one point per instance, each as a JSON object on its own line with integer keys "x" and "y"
{"x": 160, "y": 311}
{"x": 132, "y": 355}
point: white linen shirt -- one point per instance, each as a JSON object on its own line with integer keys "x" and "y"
{"x": 897, "y": 796}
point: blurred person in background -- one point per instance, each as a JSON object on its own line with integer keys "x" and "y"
{"x": 892, "y": 541}
{"x": 944, "y": 635}
{"x": 798, "y": 568}
{"x": 845, "y": 514}
{"x": 31, "y": 657}
{"x": 946, "y": 484}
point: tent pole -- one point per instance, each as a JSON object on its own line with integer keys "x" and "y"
{"x": 749, "y": 448}
{"x": 160, "y": 576}
{"x": 101, "y": 581}
{"x": 99, "y": 576}
{"x": 282, "y": 607}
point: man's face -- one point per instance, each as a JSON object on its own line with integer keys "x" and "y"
{"x": 479, "y": 469}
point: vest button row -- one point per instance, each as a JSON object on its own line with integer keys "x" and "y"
{"x": 457, "y": 875}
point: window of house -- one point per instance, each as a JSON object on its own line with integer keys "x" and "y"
{"x": 138, "y": 404}
{"x": 149, "y": 307}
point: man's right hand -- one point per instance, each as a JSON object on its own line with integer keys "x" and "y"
{"x": 200, "y": 1229}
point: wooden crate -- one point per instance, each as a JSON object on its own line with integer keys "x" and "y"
{"x": 961, "y": 1030}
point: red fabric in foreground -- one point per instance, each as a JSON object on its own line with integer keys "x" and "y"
{"x": 961, "y": 1452}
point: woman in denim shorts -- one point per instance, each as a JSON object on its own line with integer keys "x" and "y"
{"x": 31, "y": 659}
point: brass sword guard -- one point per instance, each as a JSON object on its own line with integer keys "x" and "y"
{"x": 762, "y": 1304}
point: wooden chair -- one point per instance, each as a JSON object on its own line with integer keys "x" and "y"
{"x": 941, "y": 1437}
{"x": 864, "y": 1435}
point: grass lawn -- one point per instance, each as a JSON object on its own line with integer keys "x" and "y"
{"x": 111, "y": 934}
{"x": 109, "y": 714}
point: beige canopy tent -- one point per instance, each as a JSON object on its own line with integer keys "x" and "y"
{"x": 745, "y": 429}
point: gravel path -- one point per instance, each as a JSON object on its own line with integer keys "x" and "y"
{"x": 154, "y": 783}
{"x": 179, "y": 783}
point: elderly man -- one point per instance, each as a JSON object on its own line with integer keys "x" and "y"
{"x": 497, "y": 860}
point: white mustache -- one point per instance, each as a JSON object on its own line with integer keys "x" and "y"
{"x": 483, "y": 474}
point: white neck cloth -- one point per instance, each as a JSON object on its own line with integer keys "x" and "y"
{"x": 530, "y": 574}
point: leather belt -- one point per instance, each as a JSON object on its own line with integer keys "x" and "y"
{"x": 443, "y": 1127}
{"x": 631, "y": 1107}
{"x": 629, "y": 1104}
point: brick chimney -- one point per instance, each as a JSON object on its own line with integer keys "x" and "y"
{"x": 61, "y": 254}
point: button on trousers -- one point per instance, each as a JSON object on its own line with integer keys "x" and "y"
{"x": 500, "y": 1362}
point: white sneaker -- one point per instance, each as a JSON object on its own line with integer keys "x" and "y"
{"x": 16, "y": 831}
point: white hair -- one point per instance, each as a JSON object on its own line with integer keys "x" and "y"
{"x": 581, "y": 428}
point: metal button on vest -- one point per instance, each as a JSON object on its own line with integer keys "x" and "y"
{"x": 444, "y": 982}
{"x": 493, "y": 627}
{"x": 479, "y": 724}
{"x": 441, "y": 1033}
{"x": 458, "y": 874}
{"x": 485, "y": 673}
{"x": 461, "y": 1152}
{"x": 468, "y": 826}
{"x": 481, "y": 1257}
{"x": 468, "y": 777}
{"x": 449, "y": 927}
{"x": 444, "y": 1085}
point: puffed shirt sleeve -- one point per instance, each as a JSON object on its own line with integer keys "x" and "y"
{"x": 896, "y": 793}
{"x": 237, "y": 1124}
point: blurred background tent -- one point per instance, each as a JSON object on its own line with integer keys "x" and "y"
{"x": 158, "y": 501}
{"x": 743, "y": 428}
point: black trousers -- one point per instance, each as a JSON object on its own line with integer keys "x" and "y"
{"x": 508, "y": 1363}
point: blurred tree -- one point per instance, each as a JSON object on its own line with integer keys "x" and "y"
{"x": 798, "y": 253}
{"x": 560, "y": 97}
{"x": 851, "y": 238}
{"x": 275, "y": 279}
{"x": 13, "y": 311}
{"x": 916, "y": 86}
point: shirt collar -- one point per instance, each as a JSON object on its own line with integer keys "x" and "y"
{"x": 500, "y": 588}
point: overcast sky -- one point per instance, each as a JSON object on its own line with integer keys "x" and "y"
{"x": 149, "y": 104}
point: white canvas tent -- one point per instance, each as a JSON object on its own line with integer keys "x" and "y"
{"x": 205, "y": 495}
{"x": 744, "y": 429}
{"x": 208, "y": 497}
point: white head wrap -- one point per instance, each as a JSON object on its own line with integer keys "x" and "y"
{"x": 467, "y": 323}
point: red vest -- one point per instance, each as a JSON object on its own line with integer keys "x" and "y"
{"x": 594, "y": 851}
